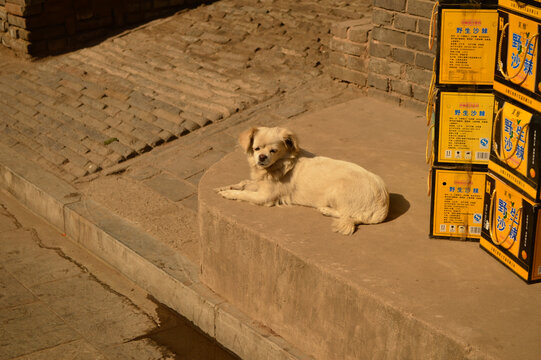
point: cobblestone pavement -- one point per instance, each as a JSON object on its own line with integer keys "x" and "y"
{"x": 85, "y": 111}
{"x": 54, "y": 307}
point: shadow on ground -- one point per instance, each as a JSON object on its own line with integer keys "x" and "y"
{"x": 398, "y": 206}
{"x": 177, "y": 336}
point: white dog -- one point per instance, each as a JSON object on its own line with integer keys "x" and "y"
{"x": 282, "y": 174}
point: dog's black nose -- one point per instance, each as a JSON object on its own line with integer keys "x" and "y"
{"x": 262, "y": 157}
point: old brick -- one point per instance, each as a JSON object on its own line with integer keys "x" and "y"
{"x": 14, "y": 9}
{"x": 423, "y": 27}
{"x": 379, "y": 49}
{"x": 19, "y": 45}
{"x": 403, "y": 55}
{"x": 396, "y": 5}
{"x": 73, "y": 157}
{"x": 13, "y": 32}
{"x": 419, "y": 76}
{"x": 348, "y": 75}
{"x": 419, "y": 92}
{"x": 216, "y": 38}
{"x": 358, "y": 63}
{"x": 385, "y": 67}
{"x": 360, "y": 34}
{"x": 124, "y": 151}
{"x": 426, "y": 61}
{"x": 337, "y": 58}
{"x": 339, "y": 29}
{"x": 418, "y": 42}
{"x": 389, "y": 36}
{"x": 420, "y": 8}
{"x": 380, "y": 82}
{"x": 401, "y": 87}
{"x": 405, "y": 22}
{"x": 23, "y": 9}
{"x": 17, "y": 21}
{"x": 382, "y": 17}
{"x": 347, "y": 47}
{"x": 75, "y": 170}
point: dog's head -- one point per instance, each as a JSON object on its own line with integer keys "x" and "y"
{"x": 265, "y": 146}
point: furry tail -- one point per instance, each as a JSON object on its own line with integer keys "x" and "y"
{"x": 344, "y": 225}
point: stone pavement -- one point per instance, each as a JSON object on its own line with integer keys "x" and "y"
{"x": 57, "y": 301}
{"x": 92, "y": 117}
{"x": 85, "y": 111}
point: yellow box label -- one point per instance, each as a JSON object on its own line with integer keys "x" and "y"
{"x": 513, "y": 143}
{"x": 468, "y": 46}
{"x": 506, "y": 216}
{"x": 458, "y": 203}
{"x": 521, "y": 8}
{"x": 512, "y": 178}
{"x": 507, "y": 230}
{"x": 516, "y": 95}
{"x": 521, "y": 65}
{"x": 465, "y": 127}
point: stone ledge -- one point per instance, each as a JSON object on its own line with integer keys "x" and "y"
{"x": 387, "y": 292}
{"x": 166, "y": 275}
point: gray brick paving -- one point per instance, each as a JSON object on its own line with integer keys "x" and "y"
{"x": 164, "y": 80}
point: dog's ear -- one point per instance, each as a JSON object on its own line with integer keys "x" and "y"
{"x": 290, "y": 140}
{"x": 246, "y": 139}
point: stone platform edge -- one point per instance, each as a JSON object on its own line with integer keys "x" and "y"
{"x": 164, "y": 274}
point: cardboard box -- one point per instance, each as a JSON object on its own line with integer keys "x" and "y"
{"x": 456, "y": 204}
{"x": 516, "y": 146}
{"x": 463, "y": 128}
{"x": 466, "y": 44}
{"x": 511, "y": 229}
{"x": 518, "y": 71}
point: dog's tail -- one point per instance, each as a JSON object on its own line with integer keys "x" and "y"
{"x": 344, "y": 225}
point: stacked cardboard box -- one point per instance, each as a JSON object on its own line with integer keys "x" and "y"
{"x": 461, "y": 123}
{"x": 512, "y": 199}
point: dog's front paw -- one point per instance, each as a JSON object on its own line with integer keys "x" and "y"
{"x": 228, "y": 194}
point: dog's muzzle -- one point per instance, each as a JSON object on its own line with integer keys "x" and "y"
{"x": 263, "y": 160}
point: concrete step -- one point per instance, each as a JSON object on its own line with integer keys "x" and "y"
{"x": 388, "y": 291}
{"x": 165, "y": 274}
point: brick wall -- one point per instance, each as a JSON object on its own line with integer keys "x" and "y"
{"x": 348, "y": 58}
{"x": 388, "y": 55}
{"x": 42, "y": 27}
{"x": 400, "y": 65}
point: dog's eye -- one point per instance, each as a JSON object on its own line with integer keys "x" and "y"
{"x": 256, "y": 149}
{"x": 272, "y": 151}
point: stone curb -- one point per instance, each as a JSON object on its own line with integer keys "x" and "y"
{"x": 166, "y": 275}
